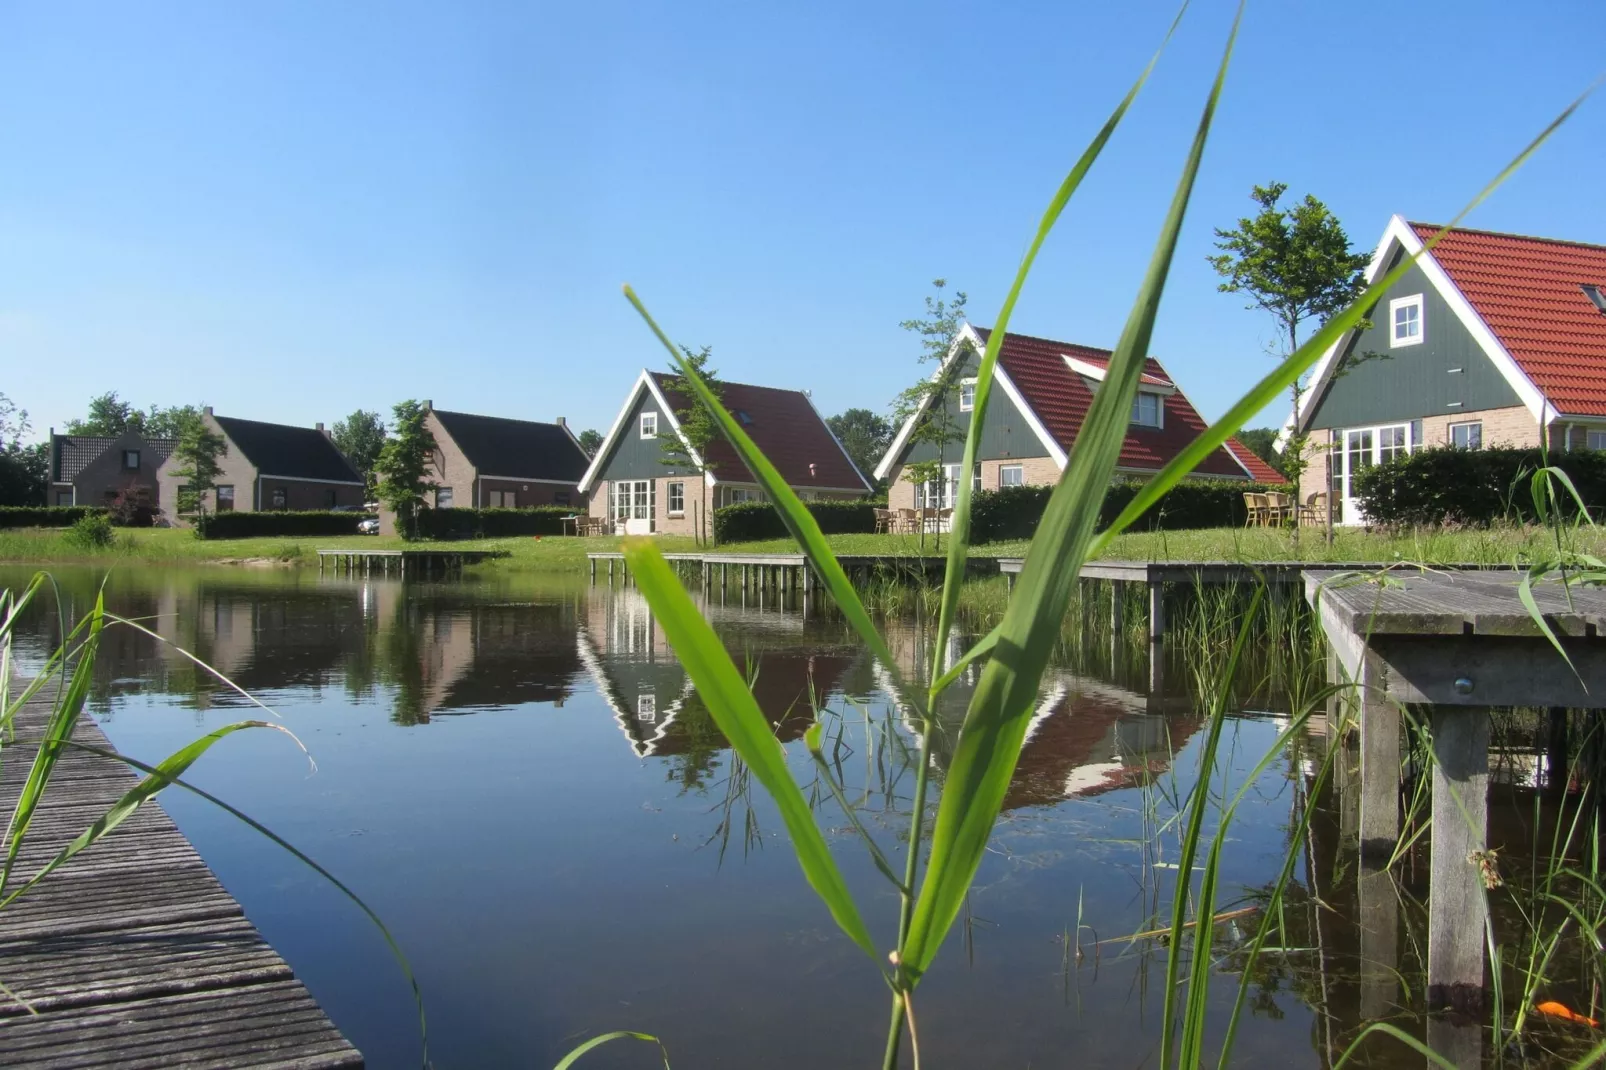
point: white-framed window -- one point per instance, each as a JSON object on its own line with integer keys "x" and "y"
{"x": 443, "y": 497}
{"x": 131, "y": 459}
{"x": 64, "y": 497}
{"x": 225, "y": 499}
{"x": 1392, "y": 442}
{"x": 1148, "y": 410}
{"x": 738, "y": 495}
{"x": 1406, "y": 326}
{"x": 1595, "y": 440}
{"x": 944, "y": 493}
{"x": 1467, "y": 436}
{"x": 647, "y": 708}
{"x": 279, "y": 499}
{"x": 967, "y": 395}
{"x": 1011, "y": 475}
{"x": 677, "y": 498}
{"x": 649, "y": 425}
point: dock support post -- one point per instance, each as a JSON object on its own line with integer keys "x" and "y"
{"x": 1380, "y": 935}
{"x": 593, "y": 572}
{"x": 1457, "y": 908}
{"x": 1156, "y": 611}
{"x": 1380, "y": 761}
{"x": 1556, "y": 766}
{"x": 1117, "y": 611}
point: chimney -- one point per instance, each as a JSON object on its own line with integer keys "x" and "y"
{"x": 206, "y": 410}
{"x": 562, "y": 422}
{"x": 428, "y": 405}
{"x": 324, "y": 431}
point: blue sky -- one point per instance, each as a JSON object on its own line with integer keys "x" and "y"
{"x": 292, "y": 210}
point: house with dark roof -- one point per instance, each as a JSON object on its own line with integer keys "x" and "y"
{"x": 97, "y": 469}
{"x": 267, "y": 467}
{"x": 1044, "y": 391}
{"x": 629, "y": 482}
{"x": 489, "y": 462}
{"x": 1488, "y": 339}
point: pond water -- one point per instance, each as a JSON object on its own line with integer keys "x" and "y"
{"x": 516, "y": 775}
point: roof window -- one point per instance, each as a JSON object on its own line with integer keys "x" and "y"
{"x": 1596, "y": 294}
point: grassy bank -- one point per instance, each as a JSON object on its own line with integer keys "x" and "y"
{"x": 1496, "y": 545}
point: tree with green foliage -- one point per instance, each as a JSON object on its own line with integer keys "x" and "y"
{"x": 159, "y": 422}
{"x": 1296, "y": 264}
{"x": 196, "y": 453}
{"x": 404, "y": 465}
{"x": 698, "y": 430}
{"x": 1262, "y": 442}
{"x": 864, "y": 434}
{"x": 360, "y": 437}
{"x": 109, "y": 416}
{"x": 933, "y": 393}
{"x": 590, "y": 441}
{"x": 24, "y": 468}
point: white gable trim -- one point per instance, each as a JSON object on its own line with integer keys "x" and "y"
{"x": 644, "y": 381}
{"x": 968, "y": 334}
{"x": 1399, "y": 235}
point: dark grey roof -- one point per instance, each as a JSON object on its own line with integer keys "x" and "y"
{"x": 74, "y": 453}
{"x": 516, "y": 448}
{"x": 291, "y": 452}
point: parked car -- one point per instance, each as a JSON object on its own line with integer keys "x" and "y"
{"x": 369, "y": 526}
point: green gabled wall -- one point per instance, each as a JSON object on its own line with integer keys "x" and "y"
{"x": 1005, "y": 434}
{"x": 634, "y": 457}
{"x": 1415, "y": 381}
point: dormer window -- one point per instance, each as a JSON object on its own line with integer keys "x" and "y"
{"x": 967, "y": 395}
{"x": 649, "y": 425}
{"x": 1148, "y": 410}
{"x": 1597, "y": 294}
{"x": 1405, "y": 321}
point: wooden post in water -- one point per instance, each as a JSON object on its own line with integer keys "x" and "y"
{"x": 1457, "y": 908}
{"x": 1556, "y": 764}
{"x": 1380, "y": 760}
{"x": 1379, "y": 923}
{"x": 1156, "y": 612}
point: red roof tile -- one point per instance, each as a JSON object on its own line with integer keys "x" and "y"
{"x": 1060, "y": 398}
{"x": 1263, "y": 472}
{"x": 783, "y": 424}
{"x": 1530, "y": 293}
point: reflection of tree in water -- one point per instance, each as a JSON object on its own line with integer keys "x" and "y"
{"x": 701, "y": 747}
{"x": 402, "y": 664}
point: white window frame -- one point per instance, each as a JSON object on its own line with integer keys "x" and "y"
{"x": 1399, "y": 303}
{"x": 220, "y": 496}
{"x": 443, "y": 498}
{"x": 1594, "y": 435}
{"x": 1477, "y": 425}
{"x": 1159, "y": 410}
{"x": 1020, "y": 475}
{"x": 1343, "y": 470}
{"x": 967, "y": 395}
{"x": 649, "y": 425}
{"x": 677, "y": 490}
{"x": 647, "y": 707}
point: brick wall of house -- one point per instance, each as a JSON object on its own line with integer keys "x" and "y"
{"x": 1035, "y": 471}
{"x": 449, "y": 467}
{"x": 233, "y": 471}
{"x": 301, "y": 495}
{"x": 527, "y": 495}
{"x": 102, "y": 479}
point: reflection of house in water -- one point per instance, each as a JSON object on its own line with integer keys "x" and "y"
{"x": 653, "y": 700}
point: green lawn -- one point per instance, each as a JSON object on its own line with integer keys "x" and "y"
{"x": 1497, "y": 545}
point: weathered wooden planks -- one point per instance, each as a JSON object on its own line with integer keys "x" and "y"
{"x": 133, "y": 955}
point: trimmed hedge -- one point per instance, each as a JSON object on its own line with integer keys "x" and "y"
{"x": 1445, "y": 485}
{"x": 45, "y": 516}
{"x": 1014, "y": 512}
{"x": 254, "y": 525}
{"x": 750, "y": 521}
{"x": 493, "y": 523}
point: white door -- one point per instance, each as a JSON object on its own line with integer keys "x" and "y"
{"x": 1364, "y": 447}
{"x": 634, "y": 504}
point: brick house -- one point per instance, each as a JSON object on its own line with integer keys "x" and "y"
{"x": 1044, "y": 391}
{"x": 488, "y": 462}
{"x": 1488, "y": 339}
{"x": 269, "y": 467}
{"x": 96, "y": 469}
{"x": 629, "y": 482}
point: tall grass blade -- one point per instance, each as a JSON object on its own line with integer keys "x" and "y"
{"x": 995, "y": 724}
{"x": 618, "y": 1034}
{"x": 748, "y": 731}
{"x": 959, "y": 527}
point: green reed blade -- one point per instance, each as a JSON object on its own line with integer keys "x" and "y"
{"x": 995, "y": 724}
{"x": 794, "y": 514}
{"x": 618, "y": 1034}
{"x": 748, "y": 731}
{"x": 1409, "y": 1041}
{"x": 959, "y": 525}
{"x": 1270, "y": 388}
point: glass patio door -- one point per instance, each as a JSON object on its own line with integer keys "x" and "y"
{"x": 635, "y": 505}
{"x": 1364, "y": 447}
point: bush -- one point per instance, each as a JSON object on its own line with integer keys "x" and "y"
{"x": 492, "y": 523}
{"x": 92, "y": 531}
{"x": 1015, "y": 512}
{"x": 1445, "y": 485}
{"x": 43, "y": 516}
{"x": 253, "y": 525}
{"x": 751, "y": 521}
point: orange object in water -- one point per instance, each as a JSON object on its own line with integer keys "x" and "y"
{"x": 1561, "y": 1010}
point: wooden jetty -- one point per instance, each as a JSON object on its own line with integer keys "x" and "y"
{"x": 403, "y": 563}
{"x": 1454, "y": 644}
{"x": 132, "y": 955}
{"x": 786, "y": 572}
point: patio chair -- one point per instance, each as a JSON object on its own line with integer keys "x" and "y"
{"x": 1279, "y": 508}
{"x": 1255, "y": 510}
{"x": 906, "y": 522}
{"x": 883, "y": 521}
{"x": 1314, "y": 511}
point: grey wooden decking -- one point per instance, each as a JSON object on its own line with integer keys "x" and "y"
{"x": 132, "y": 955}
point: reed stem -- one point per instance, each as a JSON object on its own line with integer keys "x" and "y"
{"x": 911, "y": 870}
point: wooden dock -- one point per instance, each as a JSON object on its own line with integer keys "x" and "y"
{"x": 132, "y": 955}
{"x": 403, "y": 563}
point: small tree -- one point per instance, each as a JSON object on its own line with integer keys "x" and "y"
{"x": 197, "y": 451}
{"x": 1296, "y": 264}
{"x": 109, "y": 415}
{"x": 864, "y": 434}
{"x": 24, "y": 469}
{"x": 360, "y": 437}
{"x": 590, "y": 440}
{"x": 698, "y": 430}
{"x": 166, "y": 422}
{"x": 404, "y": 464}
{"x": 932, "y": 393}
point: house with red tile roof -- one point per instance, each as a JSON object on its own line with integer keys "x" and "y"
{"x": 1044, "y": 391}
{"x": 1489, "y": 339}
{"x": 630, "y": 484}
